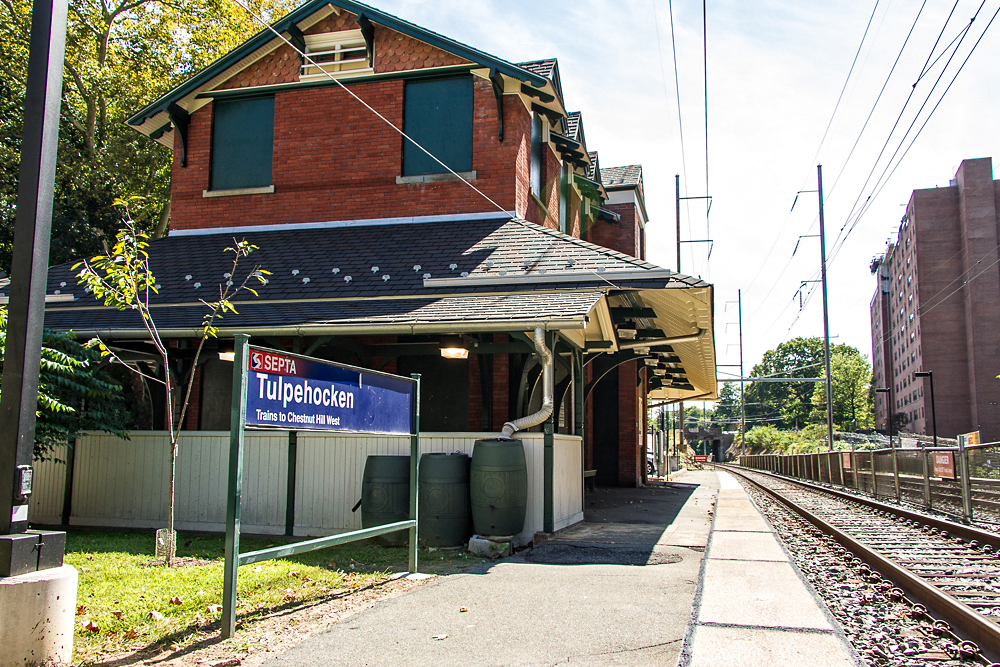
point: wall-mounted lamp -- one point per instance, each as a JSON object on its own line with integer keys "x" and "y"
{"x": 454, "y": 347}
{"x": 227, "y": 350}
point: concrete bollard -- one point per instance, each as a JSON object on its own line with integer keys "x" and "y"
{"x": 37, "y": 612}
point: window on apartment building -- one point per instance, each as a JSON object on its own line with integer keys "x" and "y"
{"x": 437, "y": 114}
{"x": 537, "y": 144}
{"x": 242, "y": 143}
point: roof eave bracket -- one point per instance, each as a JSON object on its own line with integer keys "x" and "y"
{"x": 497, "y": 79}
{"x": 368, "y": 32}
{"x": 180, "y": 119}
{"x": 540, "y": 95}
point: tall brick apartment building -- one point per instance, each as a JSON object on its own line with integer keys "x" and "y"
{"x": 937, "y": 308}
{"x": 378, "y": 252}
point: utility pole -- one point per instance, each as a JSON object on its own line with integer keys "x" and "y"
{"x": 826, "y": 311}
{"x": 743, "y": 413}
{"x": 677, "y": 199}
{"x": 29, "y": 273}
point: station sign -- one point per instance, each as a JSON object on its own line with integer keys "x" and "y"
{"x": 944, "y": 464}
{"x": 292, "y": 392}
{"x": 700, "y": 459}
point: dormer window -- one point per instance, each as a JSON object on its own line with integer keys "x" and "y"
{"x": 341, "y": 54}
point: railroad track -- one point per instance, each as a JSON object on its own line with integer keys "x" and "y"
{"x": 950, "y": 570}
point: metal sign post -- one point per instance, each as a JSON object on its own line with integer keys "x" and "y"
{"x": 293, "y": 392}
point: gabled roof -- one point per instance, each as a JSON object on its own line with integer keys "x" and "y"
{"x": 594, "y": 171}
{"x": 547, "y": 68}
{"x": 302, "y": 12}
{"x": 620, "y": 178}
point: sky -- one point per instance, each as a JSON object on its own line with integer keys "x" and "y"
{"x": 790, "y": 85}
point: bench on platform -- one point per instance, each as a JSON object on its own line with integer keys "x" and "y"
{"x": 590, "y": 480}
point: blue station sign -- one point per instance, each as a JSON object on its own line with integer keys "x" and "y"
{"x": 299, "y": 393}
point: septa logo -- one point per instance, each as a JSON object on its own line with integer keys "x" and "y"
{"x": 272, "y": 363}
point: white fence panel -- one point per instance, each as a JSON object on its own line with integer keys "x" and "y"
{"x": 120, "y": 483}
{"x": 45, "y": 504}
{"x": 567, "y": 481}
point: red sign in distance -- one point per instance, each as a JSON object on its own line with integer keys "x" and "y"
{"x": 944, "y": 464}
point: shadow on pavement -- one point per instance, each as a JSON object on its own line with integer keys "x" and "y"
{"x": 620, "y": 527}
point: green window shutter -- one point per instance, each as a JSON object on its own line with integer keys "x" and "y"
{"x": 437, "y": 114}
{"x": 242, "y": 143}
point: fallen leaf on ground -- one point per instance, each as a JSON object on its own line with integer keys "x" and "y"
{"x": 176, "y": 600}
{"x": 81, "y": 609}
{"x": 131, "y": 633}
{"x": 463, "y": 609}
{"x": 439, "y": 637}
{"x": 117, "y": 613}
{"x": 175, "y": 647}
{"x": 155, "y": 615}
{"x": 294, "y": 573}
{"x": 213, "y": 608}
{"x": 258, "y": 569}
{"x": 231, "y": 662}
{"x": 90, "y": 626}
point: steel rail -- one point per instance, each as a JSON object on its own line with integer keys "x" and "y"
{"x": 962, "y": 618}
{"x": 957, "y": 529}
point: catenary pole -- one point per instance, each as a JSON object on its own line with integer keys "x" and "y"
{"x": 826, "y": 312}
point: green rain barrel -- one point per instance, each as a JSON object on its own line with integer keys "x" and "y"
{"x": 498, "y": 482}
{"x": 445, "y": 518}
{"x": 385, "y": 496}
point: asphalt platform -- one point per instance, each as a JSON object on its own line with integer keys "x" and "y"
{"x": 627, "y": 586}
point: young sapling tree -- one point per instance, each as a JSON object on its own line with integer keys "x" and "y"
{"x": 122, "y": 278}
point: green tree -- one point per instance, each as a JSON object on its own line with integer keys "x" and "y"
{"x": 727, "y": 410}
{"x": 120, "y": 55}
{"x": 789, "y": 401}
{"x": 121, "y": 278}
{"x": 789, "y": 405}
{"x": 851, "y": 380}
{"x": 76, "y": 392}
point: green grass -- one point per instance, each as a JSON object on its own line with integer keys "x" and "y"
{"x": 120, "y": 585}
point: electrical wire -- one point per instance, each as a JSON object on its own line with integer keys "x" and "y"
{"x": 871, "y": 112}
{"x": 819, "y": 148}
{"x": 848, "y": 225}
{"x": 680, "y": 124}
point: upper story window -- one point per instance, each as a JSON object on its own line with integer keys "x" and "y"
{"x": 242, "y": 143}
{"x": 341, "y": 54}
{"x": 437, "y": 114}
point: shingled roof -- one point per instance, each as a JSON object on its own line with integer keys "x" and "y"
{"x": 547, "y": 68}
{"x": 615, "y": 178}
{"x": 348, "y": 274}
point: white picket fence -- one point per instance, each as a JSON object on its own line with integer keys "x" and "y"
{"x": 124, "y": 483}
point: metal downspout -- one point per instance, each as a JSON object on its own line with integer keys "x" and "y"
{"x": 548, "y": 390}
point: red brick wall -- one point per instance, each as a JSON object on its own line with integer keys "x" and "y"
{"x": 622, "y": 236}
{"x": 573, "y": 206}
{"x": 347, "y": 169}
{"x": 501, "y": 385}
{"x": 629, "y": 404}
{"x": 192, "y": 417}
{"x": 475, "y": 408}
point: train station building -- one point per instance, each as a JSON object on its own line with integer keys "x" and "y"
{"x": 384, "y": 255}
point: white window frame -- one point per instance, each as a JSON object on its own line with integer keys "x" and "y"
{"x": 342, "y": 54}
